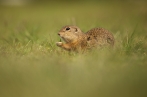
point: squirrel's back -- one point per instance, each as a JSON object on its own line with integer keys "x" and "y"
{"x": 99, "y": 37}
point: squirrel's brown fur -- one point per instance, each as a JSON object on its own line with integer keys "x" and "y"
{"x": 76, "y": 40}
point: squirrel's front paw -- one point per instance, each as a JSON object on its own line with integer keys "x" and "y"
{"x": 59, "y": 44}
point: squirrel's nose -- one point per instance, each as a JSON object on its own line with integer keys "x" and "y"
{"x": 59, "y": 34}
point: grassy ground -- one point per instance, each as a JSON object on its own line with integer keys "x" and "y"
{"x": 31, "y": 65}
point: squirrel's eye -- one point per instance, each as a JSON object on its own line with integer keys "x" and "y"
{"x": 76, "y": 30}
{"x": 68, "y": 28}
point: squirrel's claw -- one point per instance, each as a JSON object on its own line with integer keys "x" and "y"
{"x": 59, "y": 44}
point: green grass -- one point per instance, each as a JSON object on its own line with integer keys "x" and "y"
{"x": 31, "y": 65}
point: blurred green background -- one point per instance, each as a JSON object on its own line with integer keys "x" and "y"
{"x": 31, "y": 65}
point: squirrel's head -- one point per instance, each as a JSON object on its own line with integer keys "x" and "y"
{"x": 70, "y": 33}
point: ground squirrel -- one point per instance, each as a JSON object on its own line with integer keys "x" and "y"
{"x": 76, "y": 40}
